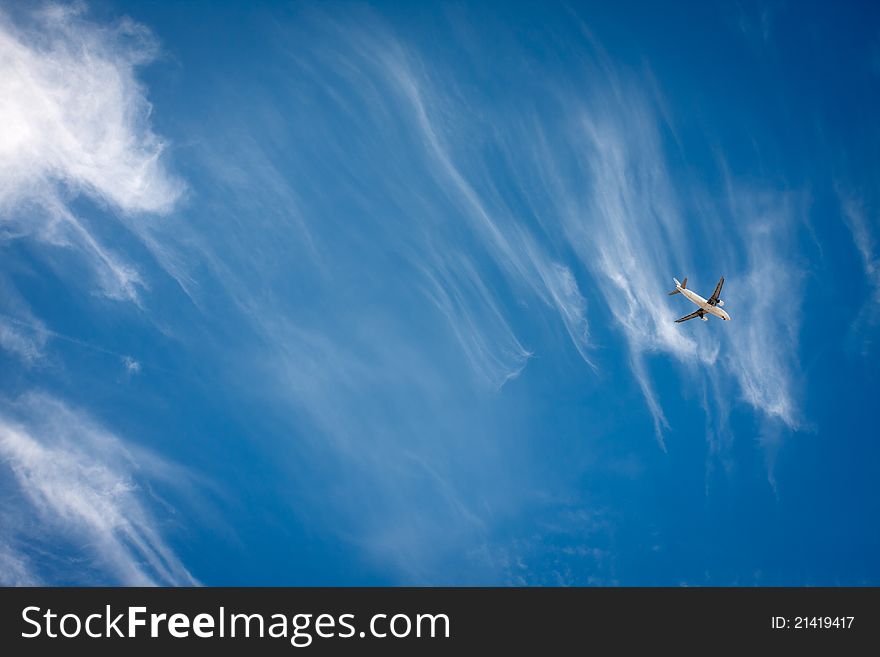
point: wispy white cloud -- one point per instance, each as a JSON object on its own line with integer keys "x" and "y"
{"x": 25, "y": 339}
{"x": 24, "y": 343}
{"x": 763, "y": 344}
{"x": 469, "y": 307}
{"x": 14, "y": 568}
{"x": 609, "y": 192}
{"x": 430, "y": 210}
{"x": 629, "y": 233}
{"x": 512, "y": 245}
{"x": 386, "y": 65}
{"x": 855, "y": 214}
{"x": 21, "y": 334}
{"x": 80, "y": 488}
{"x": 76, "y": 122}
{"x": 131, "y": 365}
{"x": 634, "y": 225}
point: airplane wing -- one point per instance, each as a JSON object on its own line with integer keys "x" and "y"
{"x": 716, "y": 295}
{"x": 696, "y": 313}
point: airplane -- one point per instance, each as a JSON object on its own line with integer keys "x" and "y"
{"x": 710, "y": 306}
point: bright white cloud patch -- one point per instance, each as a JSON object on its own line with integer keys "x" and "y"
{"x": 78, "y": 488}
{"x": 75, "y": 121}
{"x": 131, "y": 365}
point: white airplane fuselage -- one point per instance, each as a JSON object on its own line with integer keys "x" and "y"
{"x": 702, "y": 303}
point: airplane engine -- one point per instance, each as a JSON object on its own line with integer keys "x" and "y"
{"x": 705, "y": 318}
{"x": 720, "y": 303}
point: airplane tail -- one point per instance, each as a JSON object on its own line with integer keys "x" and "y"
{"x": 678, "y": 285}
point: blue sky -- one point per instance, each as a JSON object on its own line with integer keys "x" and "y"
{"x": 342, "y": 293}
